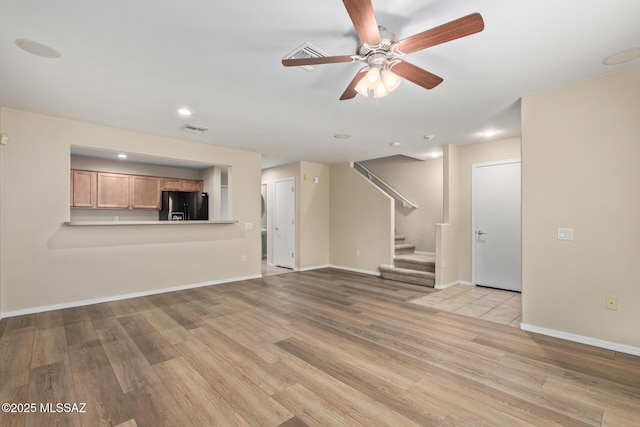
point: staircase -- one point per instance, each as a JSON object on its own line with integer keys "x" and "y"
{"x": 410, "y": 267}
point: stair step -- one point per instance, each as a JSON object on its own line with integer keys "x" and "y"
{"x": 405, "y": 275}
{"x": 416, "y": 262}
{"x": 399, "y": 238}
{"x": 404, "y": 248}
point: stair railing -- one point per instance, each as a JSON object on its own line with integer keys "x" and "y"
{"x": 383, "y": 185}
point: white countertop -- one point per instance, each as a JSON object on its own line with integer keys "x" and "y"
{"x": 111, "y": 223}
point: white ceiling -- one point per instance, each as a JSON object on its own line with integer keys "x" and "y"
{"x": 132, "y": 64}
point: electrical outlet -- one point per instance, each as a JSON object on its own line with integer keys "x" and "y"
{"x": 244, "y": 258}
{"x": 565, "y": 233}
{"x": 611, "y": 303}
{"x": 248, "y": 226}
{"x": 358, "y": 252}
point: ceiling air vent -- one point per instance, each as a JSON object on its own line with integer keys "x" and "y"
{"x": 305, "y": 50}
{"x": 194, "y": 128}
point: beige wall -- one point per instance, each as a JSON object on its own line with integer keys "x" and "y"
{"x": 447, "y": 231}
{"x": 46, "y": 263}
{"x": 114, "y": 166}
{"x": 421, "y": 183}
{"x": 314, "y": 215}
{"x": 580, "y": 155}
{"x": 1, "y": 150}
{"x": 362, "y": 219}
{"x": 312, "y": 211}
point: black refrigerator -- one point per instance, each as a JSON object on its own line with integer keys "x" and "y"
{"x": 184, "y": 206}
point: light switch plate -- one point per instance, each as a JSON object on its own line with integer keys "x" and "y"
{"x": 565, "y": 233}
{"x": 248, "y": 226}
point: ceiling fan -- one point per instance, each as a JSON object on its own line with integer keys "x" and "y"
{"x": 379, "y": 49}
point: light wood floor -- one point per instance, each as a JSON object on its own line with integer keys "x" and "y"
{"x": 324, "y": 347}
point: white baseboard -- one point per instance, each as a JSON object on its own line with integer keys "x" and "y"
{"x": 355, "y": 270}
{"x": 457, "y": 282}
{"x": 124, "y": 296}
{"x": 315, "y": 267}
{"x": 622, "y": 348}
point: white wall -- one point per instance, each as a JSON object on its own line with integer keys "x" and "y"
{"x": 45, "y": 263}
{"x": 580, "y": 157}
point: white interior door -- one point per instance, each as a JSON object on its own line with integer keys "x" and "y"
{"x": 496, "y": 225}
{"x": 284, "y": 232}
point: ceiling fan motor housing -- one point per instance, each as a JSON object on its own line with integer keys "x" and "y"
{"x": 387, "y": 40}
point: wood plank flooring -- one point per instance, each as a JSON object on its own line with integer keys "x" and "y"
{"x": 325, "y": 347}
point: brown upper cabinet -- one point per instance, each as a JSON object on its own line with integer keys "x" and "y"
{"x": 178, "y": 184}
{"x": 145, "y": 192}
{"x": 83, "y": 189}
{"x": 103, "y": 190}
{"x": 113, "y": 191}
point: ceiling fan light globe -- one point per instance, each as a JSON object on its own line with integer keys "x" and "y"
{"x": 380, "y": 91}
{"x": 372, "y": 78}
{"x": 391, "y": 80}
{"x": 362, "y": 87}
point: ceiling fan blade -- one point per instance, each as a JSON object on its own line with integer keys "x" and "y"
{"x": 293, "y": 62}
{"x": 416, "y": 74}
{"x": 455, "y": 29}
{"x": 364, "y": 20}
{"x": 350, "y": 91}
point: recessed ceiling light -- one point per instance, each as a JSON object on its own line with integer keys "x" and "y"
{"x": 395, "y": 144}
{"x": 184, "y": 112}
{"x": 489, "y": 133}
{"x": 429, "y": 137}
{"x": 623, "y": 56}
{"x": 122, "y": 156}
{"x": 341, "y": 136}
{"x": 37, "y": 49}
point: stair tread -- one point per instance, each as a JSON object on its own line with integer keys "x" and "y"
{"x": 407, "y": 271}
{"x": 400, "y": 237}
{"x": 405, "y": 245}
{"x": 416, "y": 259}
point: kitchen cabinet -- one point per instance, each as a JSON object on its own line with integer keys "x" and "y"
{"x": 145, "y": 192}
{"x": 113, "y": 190}
{"x": 105, "y": 190}
{"x": 83, "y": 189}
{"x": 178, "y": 184}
